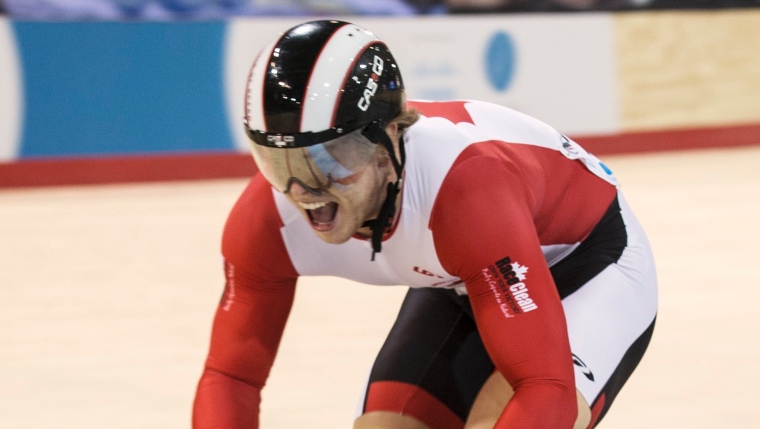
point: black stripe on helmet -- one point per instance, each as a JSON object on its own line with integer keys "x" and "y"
{"x": 288, "y": 73}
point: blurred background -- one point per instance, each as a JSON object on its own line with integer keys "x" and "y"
{"x": 96, "y": 91}
{"x": 215, "y": 9}
{"x": 122, "y": 150}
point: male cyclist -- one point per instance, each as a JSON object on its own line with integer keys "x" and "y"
{"x": 533, "y": 292}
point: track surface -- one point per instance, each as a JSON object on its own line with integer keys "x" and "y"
{"x": 107, "y": 295}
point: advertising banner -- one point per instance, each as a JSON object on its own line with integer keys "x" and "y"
{"x": 559, "y": 69}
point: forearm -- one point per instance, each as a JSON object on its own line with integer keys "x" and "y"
{"x": 545, "y": 405}
{"x": 224, "y": 402}
{"x": 246, "y": 332}
{"x": 533, "y": 355}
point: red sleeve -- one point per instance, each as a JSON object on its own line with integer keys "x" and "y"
{"x": 484, "y": 231}
{"x": 250, "y": 319}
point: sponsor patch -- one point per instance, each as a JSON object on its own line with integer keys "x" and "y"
{"x": 507, "y": 282}
{"x": 228, "y": 296}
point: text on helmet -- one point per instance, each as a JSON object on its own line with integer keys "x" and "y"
{"x": 371, "y": 87}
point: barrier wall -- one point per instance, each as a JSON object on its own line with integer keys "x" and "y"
{"x": 95, "y": 102}
{"x": 688, "y": 69}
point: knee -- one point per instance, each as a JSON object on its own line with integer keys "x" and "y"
{"x": 584, "y": 413}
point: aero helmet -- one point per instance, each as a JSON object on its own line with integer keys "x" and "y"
{"x": 317, "y": 102}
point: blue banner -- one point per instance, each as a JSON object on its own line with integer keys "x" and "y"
{"x": 106, "y": 88}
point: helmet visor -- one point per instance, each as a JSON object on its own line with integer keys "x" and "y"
{"x": 338, "y": 163}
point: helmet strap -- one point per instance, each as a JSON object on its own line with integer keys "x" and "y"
{"x": 375, "y": 132}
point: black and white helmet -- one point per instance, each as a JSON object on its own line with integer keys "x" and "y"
{"x": 317, "y": 102}
{"x": 320, "y": 80}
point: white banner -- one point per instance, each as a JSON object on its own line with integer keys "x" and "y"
{"x": 557, "y": 68}
{"x": 11, "y": 105}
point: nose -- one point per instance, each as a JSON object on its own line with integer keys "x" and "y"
{"x": 298, "y": 188}
{"x": 295, "y": 188}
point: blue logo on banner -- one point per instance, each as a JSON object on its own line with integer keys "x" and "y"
{"x": 500, "y": 60}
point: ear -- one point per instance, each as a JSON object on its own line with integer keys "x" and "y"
{"x": 392, "y": 129}
{"x": 383, "y": 159}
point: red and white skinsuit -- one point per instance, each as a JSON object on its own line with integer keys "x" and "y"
{"x": 491, "y": 200}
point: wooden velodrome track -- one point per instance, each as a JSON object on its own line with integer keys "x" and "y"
{"x": 107, "y": 295}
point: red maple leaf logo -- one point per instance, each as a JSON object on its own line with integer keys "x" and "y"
{"x": 454, "y": 111}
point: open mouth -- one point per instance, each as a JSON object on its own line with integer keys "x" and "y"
{"x": 322, "y": 215}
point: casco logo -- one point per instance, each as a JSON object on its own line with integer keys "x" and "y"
{"x": 280, "y": 140}
{"x": 371, "y": 88}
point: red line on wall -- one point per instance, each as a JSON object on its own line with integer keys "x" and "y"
{"x": 671, "y": 140}
{"x": 167, "y": 167}
{"x": 125, "y": 169}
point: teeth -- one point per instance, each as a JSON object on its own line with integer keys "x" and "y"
{"x": 312, "y": 206}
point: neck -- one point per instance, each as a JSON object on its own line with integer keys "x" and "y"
{"x": 366, "y": 231}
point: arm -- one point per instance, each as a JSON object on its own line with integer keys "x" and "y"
{"x": 484, "y": 214}
{"x": 251, "y": 317}
{"x": 246, "y": 333}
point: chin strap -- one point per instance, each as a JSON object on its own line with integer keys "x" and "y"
{"x": 375, "y": 132}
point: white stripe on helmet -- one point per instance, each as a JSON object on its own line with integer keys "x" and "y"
{"x": 328, "y": 76}
{"x": 254, "y": 91}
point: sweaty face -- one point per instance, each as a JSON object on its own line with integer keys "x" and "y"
{"x": 337, "y": 185}
{"x": 337, "y": 213}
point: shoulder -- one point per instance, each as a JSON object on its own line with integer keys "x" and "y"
{"x": 469, "y": 111}
{"x": 480, "y": 175}
{"x": 478, "y": 121}
{"x": 455, "y": 110}
{"x": 484, "y": 207}
{"x": 252, "y": 241}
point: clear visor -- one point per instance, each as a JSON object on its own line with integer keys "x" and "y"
{"x": 338, "y": 163}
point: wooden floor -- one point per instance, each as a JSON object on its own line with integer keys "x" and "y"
{"x": 107, "y": 294}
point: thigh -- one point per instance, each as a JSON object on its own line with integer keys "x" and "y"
{"x": 432, "y": 365}
{"x": 609, "y": 294}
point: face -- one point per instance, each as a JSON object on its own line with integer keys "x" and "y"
{"x": 339, "y": 212}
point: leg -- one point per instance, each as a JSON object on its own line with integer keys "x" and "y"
{"x": 431, "y": 367}
{"x": 387, "y": 419}
{"x": 493, "y": 398}
{"x": 609, "y": 293}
